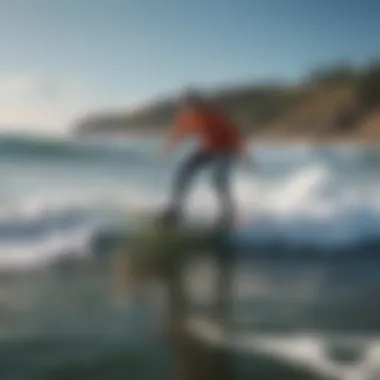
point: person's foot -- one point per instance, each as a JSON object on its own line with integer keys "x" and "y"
{"x": 168, "y": 218}
{"x": 224, "y": 222}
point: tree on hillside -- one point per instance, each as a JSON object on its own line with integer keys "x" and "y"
{"x": 337, "y": 74}
{"x": 369, "y": 87}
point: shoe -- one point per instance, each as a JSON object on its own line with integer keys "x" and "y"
{"x": 225, "y": 222}
{"x": 168, "y": 218}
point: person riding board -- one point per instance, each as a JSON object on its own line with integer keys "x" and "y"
{"x": 221, "y": 144}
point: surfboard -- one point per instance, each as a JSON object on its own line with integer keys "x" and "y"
{"x": 153, "y": 250}
{"x": 148, "y": 213}
{"x": 141, "y": 211}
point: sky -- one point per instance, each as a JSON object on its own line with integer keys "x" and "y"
{"x": 60, "y": 59}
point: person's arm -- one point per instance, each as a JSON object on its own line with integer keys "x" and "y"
{"x": 181, "y": 128}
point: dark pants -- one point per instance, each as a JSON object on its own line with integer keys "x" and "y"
{"x": 221, "y": 163}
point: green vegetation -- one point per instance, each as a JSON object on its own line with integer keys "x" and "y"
{"x": 329, "y": 102}
{"x": 337, "y": 74}
{"x": 369, "y": 87}
{"x": 365, "y": 81}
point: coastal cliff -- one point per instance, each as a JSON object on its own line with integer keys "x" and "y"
{"x": 334, "y": 103}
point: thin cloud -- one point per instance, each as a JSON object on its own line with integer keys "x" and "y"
{"x": 49, "y": 104}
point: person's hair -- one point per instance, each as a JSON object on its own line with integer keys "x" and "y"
{"x": 193, "y": 98}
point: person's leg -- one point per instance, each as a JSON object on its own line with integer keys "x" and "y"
{"x": 223, "y": 168}
{"x": 182, "y": 182}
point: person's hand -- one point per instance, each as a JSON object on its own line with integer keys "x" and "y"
{"x": 246, "y": 159}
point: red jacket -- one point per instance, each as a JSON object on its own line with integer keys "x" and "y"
{"x": 215, "y": 130}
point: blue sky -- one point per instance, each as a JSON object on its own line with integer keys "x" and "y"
{"x": 60, "y": 58}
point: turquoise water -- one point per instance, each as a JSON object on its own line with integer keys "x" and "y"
{"x": 306, "y": 283}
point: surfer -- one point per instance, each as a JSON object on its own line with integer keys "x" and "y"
{"x": 221, "y": 144}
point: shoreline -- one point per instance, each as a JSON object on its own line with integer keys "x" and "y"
{"x": 256, "y": 140}
{"x": 252, "y": 139}
{"x": 310, "y": 141}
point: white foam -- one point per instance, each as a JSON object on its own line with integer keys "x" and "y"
{"x": 43, "y": 253}
{"x": 293, "y": 209}
{"x": 308, "y": 351}
{"x": 293, "y": 196}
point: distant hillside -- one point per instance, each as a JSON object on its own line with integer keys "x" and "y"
{"x": 338, "y": 102}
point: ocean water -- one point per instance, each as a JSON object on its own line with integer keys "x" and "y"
{"x": 307, "y": 279}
